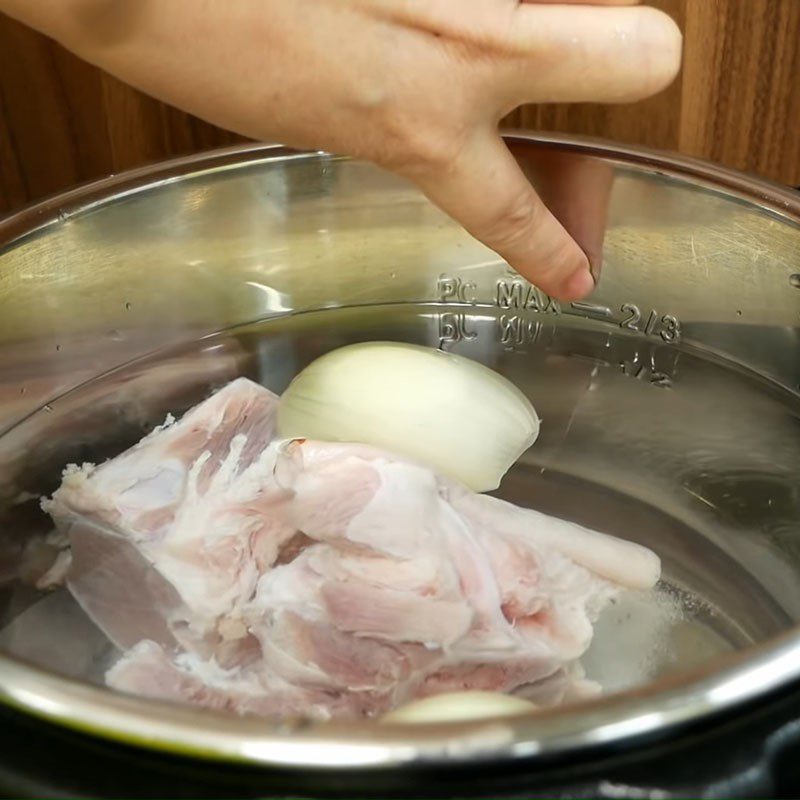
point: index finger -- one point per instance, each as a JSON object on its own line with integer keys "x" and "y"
{"x": 559, "y": 53}
{"x": 586, "y": 2}
{"x": 577, "y": 190}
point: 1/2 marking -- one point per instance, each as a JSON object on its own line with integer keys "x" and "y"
{"x": 643, "y": 368}
{"x": 646, "y": 374}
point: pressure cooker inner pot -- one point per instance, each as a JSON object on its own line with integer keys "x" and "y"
{"x": 669, "y": 405}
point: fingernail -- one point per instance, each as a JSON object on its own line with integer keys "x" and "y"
{"x": 579, "y": 284}
{"x": 595, "y": 265}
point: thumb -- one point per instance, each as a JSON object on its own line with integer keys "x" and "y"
{"x": 484, "y": 190}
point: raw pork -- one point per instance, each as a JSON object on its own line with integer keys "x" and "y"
{"x": 250, "y": 574}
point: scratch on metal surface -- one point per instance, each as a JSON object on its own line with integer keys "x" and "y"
{"x": 700, "y": 498}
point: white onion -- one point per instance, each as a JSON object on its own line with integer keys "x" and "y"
{"x": 450, "y": 413}
{"x": 459, "y": 707}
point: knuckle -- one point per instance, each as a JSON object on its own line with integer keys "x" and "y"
{"x": 419, "y": 143}
{"x": 513, "y": 220}
{"x": 522, "y": 231}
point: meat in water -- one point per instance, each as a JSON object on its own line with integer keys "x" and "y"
{"x": 246, "y": 573}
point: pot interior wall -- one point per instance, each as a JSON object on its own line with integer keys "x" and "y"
{"x": 669, "y": 399}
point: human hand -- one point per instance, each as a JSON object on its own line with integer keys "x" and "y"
{"x": 576, "y": 189}
{"x": 416, "y": 86}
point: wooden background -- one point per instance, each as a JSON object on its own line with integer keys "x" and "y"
{"x": 737, "y": 101}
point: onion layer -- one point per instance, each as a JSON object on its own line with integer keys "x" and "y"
{"x": 459, "y": 707}
{"x": 450, "y": 413}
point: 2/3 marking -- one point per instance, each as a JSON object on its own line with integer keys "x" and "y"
{"x": 666, "y": 326}
{"x": 633, "y": 320}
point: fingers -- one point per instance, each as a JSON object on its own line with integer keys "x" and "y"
{"x": 485, "y": 191}
{"x": 596, "y": 51}
{"x": 587, "y": 2}
{"x": 577, "y": 190}
{"x": 589, "y": 54}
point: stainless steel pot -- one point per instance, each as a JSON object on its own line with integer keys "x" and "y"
{"x": 672, "y": 397}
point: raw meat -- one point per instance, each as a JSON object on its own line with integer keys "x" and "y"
{"x": 249, "y": 574}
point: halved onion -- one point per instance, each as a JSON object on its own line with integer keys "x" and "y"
{"x": 459, "y": 707}
{"x": 451, "y": 413}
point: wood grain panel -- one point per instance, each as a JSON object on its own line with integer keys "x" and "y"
{"x": 737, "y": 101}
{"x": 741, "y": 85}
{"x": 35, "y": 110}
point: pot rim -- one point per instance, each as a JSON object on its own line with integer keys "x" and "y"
{"x": 32, "y": 218}
{"x": 623, "y": 718}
